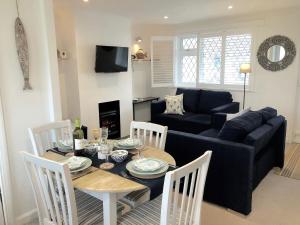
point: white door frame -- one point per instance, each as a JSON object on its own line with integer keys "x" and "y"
{"x": 5, "y": 181}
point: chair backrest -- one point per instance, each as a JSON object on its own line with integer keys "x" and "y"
{"x": 154, "y": 135}
{"x": 44, "y": 137}
{"x": 187, "y": 210}
{"x": 53, "y": 190}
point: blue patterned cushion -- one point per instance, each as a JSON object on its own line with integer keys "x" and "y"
{"x": 237, "y": 128}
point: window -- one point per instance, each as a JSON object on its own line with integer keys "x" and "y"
{"x": 237, "y": 51}
{"x": 187, "y": 55}
{"x": 212, "y": 60}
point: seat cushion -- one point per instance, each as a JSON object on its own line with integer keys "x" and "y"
{"x": 189, "y": 122}
{"x": 260, "y": 137}
{"x": 210, "y": 133}
{"x": 90, "y": 209}
{"x": 238, "y": 128}
{"x": 136, "y": 198}
{"x": 202, "y": 119}
{"x": 267, "y": 113}
{"x": 147, "y": 214}
{"x": 212, "y": 99}
{"x": 190, "y": 98}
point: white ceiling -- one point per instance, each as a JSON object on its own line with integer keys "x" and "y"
{"x": 180, "y": 11}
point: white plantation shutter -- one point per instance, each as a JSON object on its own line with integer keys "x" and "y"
{"x": 162, "y": 61}
{"x": 237, "y": 52}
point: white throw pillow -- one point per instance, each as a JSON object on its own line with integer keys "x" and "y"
{"x": 177, "y": 96}
{"x": 231, "y": 116}
{"x": 174, "y": 104}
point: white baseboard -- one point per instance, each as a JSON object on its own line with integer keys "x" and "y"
{"x": 27, "y": 217}
{"x": 296, "y": 138}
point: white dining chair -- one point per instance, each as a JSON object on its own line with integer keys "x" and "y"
{"x": 154, "y": 134}
{"x": 172, "y": 207}
{"x": 56, "y": 200}
{"x": 44, "y": 137}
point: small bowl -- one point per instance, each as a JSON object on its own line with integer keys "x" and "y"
{"x": 119, "y": 155}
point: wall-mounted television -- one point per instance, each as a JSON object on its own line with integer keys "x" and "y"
{"x": 111, "y": 59}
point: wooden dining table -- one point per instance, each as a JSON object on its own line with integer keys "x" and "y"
{"x": 110, "y": 187}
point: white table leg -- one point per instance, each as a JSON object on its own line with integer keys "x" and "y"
{"x": 110, "y": 208}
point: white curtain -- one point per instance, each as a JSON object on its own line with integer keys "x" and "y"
{"x": 5, "y": 181}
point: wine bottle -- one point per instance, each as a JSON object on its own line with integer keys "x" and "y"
{"x": 78, "y": 139}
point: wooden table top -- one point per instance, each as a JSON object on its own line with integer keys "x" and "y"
{"x": 104, "y": 181}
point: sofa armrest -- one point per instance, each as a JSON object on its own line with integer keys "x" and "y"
{"x": 218, "y": 120}
{"x": 228, "y": 108}
{"x": 230, "y": 175}
{"x": 158, "y": 107}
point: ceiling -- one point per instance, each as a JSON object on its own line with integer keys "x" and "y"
{"x": 181, "y": 11}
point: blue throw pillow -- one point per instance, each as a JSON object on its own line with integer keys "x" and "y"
{"x": 267, "y": 113}
{"x": 239, "y": 127}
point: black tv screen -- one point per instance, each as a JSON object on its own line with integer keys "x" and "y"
{"x": 111, "y": 59}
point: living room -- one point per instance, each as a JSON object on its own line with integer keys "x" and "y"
{"x": 194, "y": 48}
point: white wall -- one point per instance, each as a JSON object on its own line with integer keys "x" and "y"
{"x": 23, "y": 109}
{"x": 278, "y": 90}
{"x": 68, "y": 73}
{"x": 94, "y": 28}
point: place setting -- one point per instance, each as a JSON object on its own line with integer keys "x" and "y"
{"x": 123, "y": 157}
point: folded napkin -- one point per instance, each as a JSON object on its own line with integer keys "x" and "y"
{"x": 75, "y": 162}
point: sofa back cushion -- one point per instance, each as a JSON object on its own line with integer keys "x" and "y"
{"x": 190, "y": 98}
{"x": 259, "y": 137}
{"x": 212, "y": 99}
{"x": 267, "y": 113}
{"x": 238, "y": 128}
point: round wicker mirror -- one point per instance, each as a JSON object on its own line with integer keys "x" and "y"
{"x": 276, "y": 53}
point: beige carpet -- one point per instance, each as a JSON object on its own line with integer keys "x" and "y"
{"x": 291, "y": 167}
{"x": 276, "y": 201}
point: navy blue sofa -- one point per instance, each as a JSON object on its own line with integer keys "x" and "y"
{"x": 199, "y": 106}
{"x": 244, "y": 149}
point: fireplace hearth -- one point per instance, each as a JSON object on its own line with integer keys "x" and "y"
{"x": 109, "y": 116}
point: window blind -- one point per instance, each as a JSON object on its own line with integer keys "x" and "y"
{"x": 162, "y": 61}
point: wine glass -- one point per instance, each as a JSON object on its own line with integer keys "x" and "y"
{"x": 140, "y": 146}
{"x": 104, "y": 135}
{"x": 96, "y": 135}
{"x": 106, "y": 150}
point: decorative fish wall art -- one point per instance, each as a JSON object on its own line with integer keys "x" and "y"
{"x": 22, "y": 50}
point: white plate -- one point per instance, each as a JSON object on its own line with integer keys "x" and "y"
{"x": 148, "y": 164}
{"x": 128, "y": 143}
{"x": 75, "y": 162}
{"x": 134, "y": 172}
{"x": 85, "y": 165}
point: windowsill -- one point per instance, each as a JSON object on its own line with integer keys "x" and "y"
{"x": 215, "y": 88}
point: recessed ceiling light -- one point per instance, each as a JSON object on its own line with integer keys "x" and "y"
{"x": 85, "y": 0}
{"x": 230, "y": 7}
{"x": 166, "y": 17}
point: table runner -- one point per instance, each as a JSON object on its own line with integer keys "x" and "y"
{"x": 155, "y": 185}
